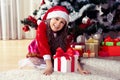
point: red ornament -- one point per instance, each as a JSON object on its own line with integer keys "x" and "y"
{"x": 32, "y": 19}
{"x": 25, "y": 28}
{"x": 85, "y": 23}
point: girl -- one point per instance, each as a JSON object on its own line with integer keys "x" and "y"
{"x": 51, "y": 33}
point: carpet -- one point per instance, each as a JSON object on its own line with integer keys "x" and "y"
{"x": 100, "y": 69}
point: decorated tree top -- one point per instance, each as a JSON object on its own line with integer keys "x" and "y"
{"x": 86, "y": 16}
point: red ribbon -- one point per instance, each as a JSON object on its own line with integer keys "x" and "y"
{"x": 69, "y": 53}
{"x": 59, "y": 65}
{"x": 88, "y": 51}
{"x": 116, "y": 40}
{"x": 109, "y": 39}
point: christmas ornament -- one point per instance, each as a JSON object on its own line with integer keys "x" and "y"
{"x": 25, "y": 28}
{"x": 96, "y": 36}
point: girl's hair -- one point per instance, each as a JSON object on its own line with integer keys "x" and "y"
{"x": 59, "y": 40}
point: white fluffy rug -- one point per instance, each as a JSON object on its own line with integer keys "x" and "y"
{"x": 101, "y": 70}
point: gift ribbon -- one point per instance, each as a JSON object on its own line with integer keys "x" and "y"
{"x": 73, "y": 64}
{"x": 60, "y": 53}
{"x": 109, "y": 39}
{"x": 116, "y": 40}
{"x": 59, "y": 65}
{"x": 69, "y": 53}
{"x": 88, "y": 51}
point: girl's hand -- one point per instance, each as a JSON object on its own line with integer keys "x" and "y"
{"x": 49, "y": 68}
{"x": 48, "y": 71}
{"x": 84, "y": 72}
{"x": 81, "y": 71}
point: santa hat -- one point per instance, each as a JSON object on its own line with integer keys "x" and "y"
{"x": 57, "y": 11}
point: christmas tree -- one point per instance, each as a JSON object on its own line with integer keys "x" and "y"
{"x": 86, "y": 16}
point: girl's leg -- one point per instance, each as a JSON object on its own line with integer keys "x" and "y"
{"x": 35, "y": 60}
{"x": 39, "y": 63}
{"x": 31, "y": 62}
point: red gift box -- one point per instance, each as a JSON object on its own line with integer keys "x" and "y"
{"x": 109, "y": 51}
{"x": 111, "y": 40}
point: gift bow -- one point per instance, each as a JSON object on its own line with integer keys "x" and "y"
{"x": 109, "y": 39}
{"x": 69, "y": 53}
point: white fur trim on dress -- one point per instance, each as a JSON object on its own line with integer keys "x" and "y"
{"x": 38, "y": 22}
{"x": 58, "y": 14}
{"x": 46, "y": 57}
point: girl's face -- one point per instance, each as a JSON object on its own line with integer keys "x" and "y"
{"x": 56, "y": 24}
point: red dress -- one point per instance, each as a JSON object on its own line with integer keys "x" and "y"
{"x": 41, "y": 47}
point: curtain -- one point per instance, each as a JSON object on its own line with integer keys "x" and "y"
{"x": 11, "y": 12}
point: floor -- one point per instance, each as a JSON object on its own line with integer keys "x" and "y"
{"x": 11, "y": 51}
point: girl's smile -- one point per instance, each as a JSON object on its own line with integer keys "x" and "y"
{"x": 57, "y": 24}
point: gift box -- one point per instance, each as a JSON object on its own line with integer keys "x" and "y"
{"x": 111, "y": 42}
{"x": 110, "y": 47}
{"x": 110, "y": 51}
{"x": 65, "y": 61}
{"x": 92, "y": 45}
{"x": 91, "y": 40}
{"x": 80, "y": 47}
{"x": 88, "y": 54}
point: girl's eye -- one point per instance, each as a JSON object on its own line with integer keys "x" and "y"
{"x": 57, "y": 19}
{"x": 63, "y": 22}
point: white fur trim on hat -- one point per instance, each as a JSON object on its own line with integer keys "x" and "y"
{"x": 58, "y": 14}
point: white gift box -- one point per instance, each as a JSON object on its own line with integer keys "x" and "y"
{"x": 66, "y": 65}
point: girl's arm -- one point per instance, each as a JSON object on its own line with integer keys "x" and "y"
{"x": 42, "y": 39}
{"x": 81, "y": 71}
{"x": 49, "y": 68}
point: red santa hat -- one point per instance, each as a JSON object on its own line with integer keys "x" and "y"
{"x": 57, "y": 11}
